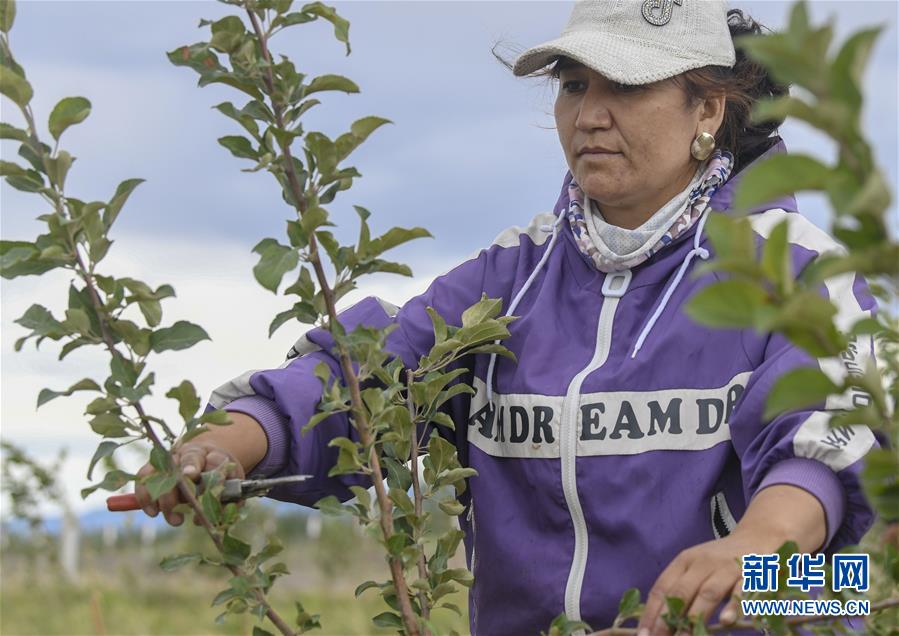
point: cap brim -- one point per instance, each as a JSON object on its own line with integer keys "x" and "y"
{"x": 622, "y": 60}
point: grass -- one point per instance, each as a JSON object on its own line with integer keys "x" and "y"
{"x": 179, "y": 606}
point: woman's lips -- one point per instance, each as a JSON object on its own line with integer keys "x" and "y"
{"x": 598, "y": 154}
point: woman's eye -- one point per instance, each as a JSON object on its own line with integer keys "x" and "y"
{"x": 571, "y": 86}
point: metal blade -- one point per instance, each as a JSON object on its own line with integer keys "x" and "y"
{"x": 258, "y": 487}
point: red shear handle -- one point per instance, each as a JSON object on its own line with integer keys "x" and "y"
{"x": 119, "y": 503}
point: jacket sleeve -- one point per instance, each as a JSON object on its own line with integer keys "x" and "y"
{"x": 799, "y": 447}
{"x": 283, "y": 399}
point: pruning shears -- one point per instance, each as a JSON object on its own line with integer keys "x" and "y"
{"x": 234, "y": 490}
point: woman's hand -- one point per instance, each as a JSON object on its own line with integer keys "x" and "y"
{"x": 193, "y": 458}
{"x": 709, "y": 573}
{"x": 233, "y": 450}
{"x": 703, "y": 576}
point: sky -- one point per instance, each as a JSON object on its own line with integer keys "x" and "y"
{"x": 472, "y": 150}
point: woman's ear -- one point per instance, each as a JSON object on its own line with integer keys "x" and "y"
{"x": 711, "y": 114}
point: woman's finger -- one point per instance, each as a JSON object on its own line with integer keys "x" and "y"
{"x": 711, "y": 592}
{"x": 730, "y": 612}
{"x": 193, "y": 460}
{"x": 143, "y": 497}
{"x": 655, "y": 600}
{"x": 167, "y": 501}
{"x": 685, "y": 588}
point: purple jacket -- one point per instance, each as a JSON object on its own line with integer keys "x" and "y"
{"x": 595, "y": 467}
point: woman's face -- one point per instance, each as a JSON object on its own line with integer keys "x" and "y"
{"x": 628, "y": 147}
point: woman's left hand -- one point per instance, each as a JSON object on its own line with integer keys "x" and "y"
{"x": 709, "y": 573}
{"x": 703, "y": 576}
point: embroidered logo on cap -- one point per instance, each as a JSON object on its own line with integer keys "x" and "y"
{"x": 658, "y": 12}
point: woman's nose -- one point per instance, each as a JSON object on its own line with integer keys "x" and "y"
{"x": 593, "y": 112}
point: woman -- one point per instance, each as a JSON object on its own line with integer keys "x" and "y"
{"x": 626, "y": 447}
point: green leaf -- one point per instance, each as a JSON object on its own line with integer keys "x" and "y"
{"x": 228, "y": 34}
{"x": 291, "y": 19}
{"x": 123, "y": 371}
{"x": 776, "y": 258}
{"x": 275, "y": 260}
{"x": 11, "y": 169}
{"x": 452, "y": 507}
{"x": 849, "y": 64}
{"x": 298, "y": 238}
{"x": 240, "y": 116}
{"x": 799, "y": 388}
{"x": 630, "y": 601}
{"x": 158, "y": 484}
{"x": 314, "y": 218}
{"x": 235, "y": 551}
{"x": 123, "y": 191}
{"x": 21, "y": 258}
{"x": 181, "y": 335}
{"x": 279, "y": 320}
{"x": 675, "y": 608}
{"x": 172, "y": 563}
{"x": 394, "y": 237}
{"x": 7, "y": 14}
{"x": 484, "y": 309}
{"x": 113, "y": 480}
{"x": 239, "y": 146}
{"x": 15, "y": 86}
{"x": 388, "y": 620}
{"x": 826, "y": 116}
{"x": 11, "y": 132}
{"x": 223, "y": 596}
{"x": 82, "y": 385}
{"x": 731, "y": 303}
{"x": 216, "y": 418}
{"x": 331, "y": 83}
{"x": 39, "y": 319}
{"x": 58, "y": 167}
{"x": 258, "y": 631}
{"x": 105, "y": 449}
{"x": 780, "y": 175}
{"x": 330, "y": 505}
{"x": 109, "y": 425}
{"x": 324, "y": 151}
{"x": 359, "y": 132}
{"x": 68, "y": 112}
{"x": 212, "y": 507}
{"x": 341, "y": 26}
{"x": 365, "y": 586}
{"x": 188, "y": 400}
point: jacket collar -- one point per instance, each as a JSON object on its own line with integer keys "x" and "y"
{"x": 658, "y": 267}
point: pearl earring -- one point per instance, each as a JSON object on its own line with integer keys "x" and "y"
{"x": 702, "y": 146}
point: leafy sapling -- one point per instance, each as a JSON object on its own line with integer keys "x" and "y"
{"x": 123, "y": 317}
{"x": 396, "y": 413}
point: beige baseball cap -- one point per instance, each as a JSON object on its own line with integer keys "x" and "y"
{"x": 638, "y": 42}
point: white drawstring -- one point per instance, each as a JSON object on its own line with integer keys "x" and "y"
{"x": 521, "y": 292}
{"x": 702, "y": 253}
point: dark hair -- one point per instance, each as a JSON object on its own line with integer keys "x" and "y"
{"x": 744, "y": 84}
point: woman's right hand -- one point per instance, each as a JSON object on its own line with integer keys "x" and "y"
{"x": 193, "y": 458}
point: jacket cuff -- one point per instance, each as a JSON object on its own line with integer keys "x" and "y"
{"x": 816, "y": 478}
{"x": 276, "y": 428}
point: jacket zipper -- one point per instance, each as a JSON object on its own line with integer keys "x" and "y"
{"x": 474, "y": 536}
{"x": 613, "y": 288}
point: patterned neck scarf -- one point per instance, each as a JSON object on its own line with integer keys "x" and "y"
{"x": 716, "y": 172}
